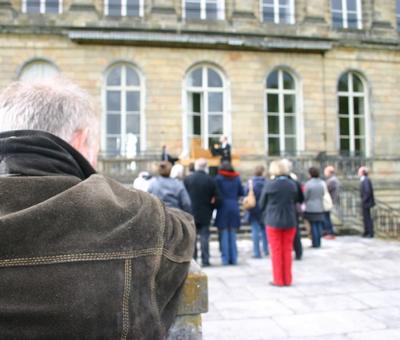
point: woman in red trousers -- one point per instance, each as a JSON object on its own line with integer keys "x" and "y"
{"x": 278, "y": 203}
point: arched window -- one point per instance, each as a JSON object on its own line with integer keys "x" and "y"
{"x": 42, "y": 6}
{"x": 123, "y": 111}
{"x": 206, "y": 108}
{"x": 38, "y": 69}
{"x": 281, "y": 106}
{"x": 352, "y": 113}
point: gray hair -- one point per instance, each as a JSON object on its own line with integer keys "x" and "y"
{"x": 279, "y": 168}
{"x": 54, "y": 105}
{"x": 200, "y": 164}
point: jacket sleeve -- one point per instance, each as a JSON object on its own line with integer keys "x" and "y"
{"x": 263, "y": 198}
{"x": 241, "y": 190}
{"x": 184, "y": 200}
{"x": 173, "y": 267}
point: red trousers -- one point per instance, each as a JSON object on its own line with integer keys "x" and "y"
{"x": 281, "y": 245}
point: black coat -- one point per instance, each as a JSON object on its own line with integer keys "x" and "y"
{"x": 278, "y": 202}
{"x": 202, "y": 188}
{"x": 367, "y": 193}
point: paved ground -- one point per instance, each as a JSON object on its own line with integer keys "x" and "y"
{"x": 349, "y": 289}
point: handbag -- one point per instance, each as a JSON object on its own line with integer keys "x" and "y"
{"x": 249, "y": 202}
{"x": 327, "y": 199}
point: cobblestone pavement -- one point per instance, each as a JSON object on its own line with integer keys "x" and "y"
{"x": 349, "y": 289}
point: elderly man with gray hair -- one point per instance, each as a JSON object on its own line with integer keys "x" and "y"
{"x": 81, "y": 256}
{"x": 204, "y": 196}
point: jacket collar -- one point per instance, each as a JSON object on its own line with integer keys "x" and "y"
{"x": 39, "y": 153}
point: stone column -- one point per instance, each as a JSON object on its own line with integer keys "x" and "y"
{"x": 83, "y": 11}
{"x": 165, "y": 7}
{"x": 384, "y": 15}
{"x": 316, "y": 11}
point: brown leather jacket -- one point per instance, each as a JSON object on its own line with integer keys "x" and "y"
{"x": 83, "y": 258}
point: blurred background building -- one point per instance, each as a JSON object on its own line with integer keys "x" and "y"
{"x": 313, "y": 80}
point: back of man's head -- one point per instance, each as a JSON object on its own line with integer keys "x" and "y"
{"x": 55, "y": 105}
{"x": 200, "y": 164}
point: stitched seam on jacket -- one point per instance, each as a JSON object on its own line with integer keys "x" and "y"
{"x": 79, "y": 257}
{"x": 125, "y": 299}
{"x": 175, "y": 258}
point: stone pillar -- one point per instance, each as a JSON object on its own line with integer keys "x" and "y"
{"x": 244, "y": 9}
{"x": 316, "y": 11}
{"x": 194, "y": 302}
{"x": 166, "y": 8}
{"x": 7, "y": 12}
{"x": 384, "y": 15}
{"x": 82, "y": 12}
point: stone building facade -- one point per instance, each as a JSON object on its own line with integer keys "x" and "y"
{"x": 288, "y": 77}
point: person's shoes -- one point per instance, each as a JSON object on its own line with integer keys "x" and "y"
{"x": 275, "y": 285}
{"x": 329, "y": 237}
{"x": 207, "y": 264}
{"x": 368, "y": 236}
{"x": 298, "y": 257}
{"x": 256, "y": 257}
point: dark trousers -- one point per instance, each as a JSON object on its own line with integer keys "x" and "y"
{"x": 203, "y": 232}
{"x": 229, "y": 252}
{"x": 328, "y": 226}
{"x": 298, "y": 247}
{"x": 281, "y": 243}
{"x": 368, "y": 223}
{"x": 316, "y": 229}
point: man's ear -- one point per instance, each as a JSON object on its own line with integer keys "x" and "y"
{"x": 80, "y": 141}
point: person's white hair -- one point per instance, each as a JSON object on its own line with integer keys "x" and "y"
{"x": 54, "y": 105}
{"x": 177, "y": 171}
{"x": 200, "y": 164}
{"x": 279, "y": 168}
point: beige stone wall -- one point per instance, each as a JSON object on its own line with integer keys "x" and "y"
{"x": 164, "y": 71}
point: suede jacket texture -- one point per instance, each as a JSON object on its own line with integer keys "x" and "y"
{"x": 81, "y": 256}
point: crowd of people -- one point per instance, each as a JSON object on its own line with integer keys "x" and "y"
{"x": 273, "y": 206}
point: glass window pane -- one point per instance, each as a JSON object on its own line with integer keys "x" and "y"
{"x": 337, "y": 20}
{"x": 359, "y": 146}
{"x": 33, "y": 6}
{"x": 336, "y": 4}
{"x": 195, "y": 102}
{"x": 352, "y": 21}
{"x": 359, "y": 129}
{"x": 196, "y": 125}
{"x": 215, "y": 102}
{"x": 192, "y": 10}
{"x": 352, "y": 5}
{"x": 52, "y": 6}
{"x": 344, "y": 128}
{"x": 268, "y": 2}
{"x": 272, "y": 80}
{"x": 290, "y": 125}
{"x": 272, "y": 103}
{"x": 344, "y": 145}
{"x": 196, "y": 77}
{"x": 343, "y": 83}
{"x": 37, "y": 70}
{"x": 113, "y": 124}
{"x": 290, "y": 103}
{"x": 357, "y": 84}
{"x": 211, "y": 11}
{"x": 268, "y": 14}
{"x": 358, "y": 106}
{"x": 288, "y": 81}
{"x": 215, "y": 125}
{"x": 113, "y": 101}
{"x": 114, "y": 7}
{"x": 133, "y": 124}
{"x": 114, "y": 77}
{"x": 273, "y": 125}
{"x": 214, "y": 80}
{"x": 133, "y": 101}
{"x": 113, "y": 145}
{"x": 273, "y": 146}
{"x": 284, "y": 15}
{"x": 343, "y": 105}
{"x": 290, "y": 146}
{"x": 132, "y": 78}
{"x": 132, "y": 7}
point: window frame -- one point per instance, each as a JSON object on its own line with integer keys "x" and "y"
{"x": 203, "y": 12}
{"x": 123, "y": 88}
{"x": 298, "y": 115}
{"x": 42, "y": 7}
{"x": 398, "y": 15}
{"x": 344, "y": 14}
{"x": 124, "y": 9}
{"x": 205, "y": 90}
{"x": 276, "y": 7}
{"x": 350, "y": 94}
